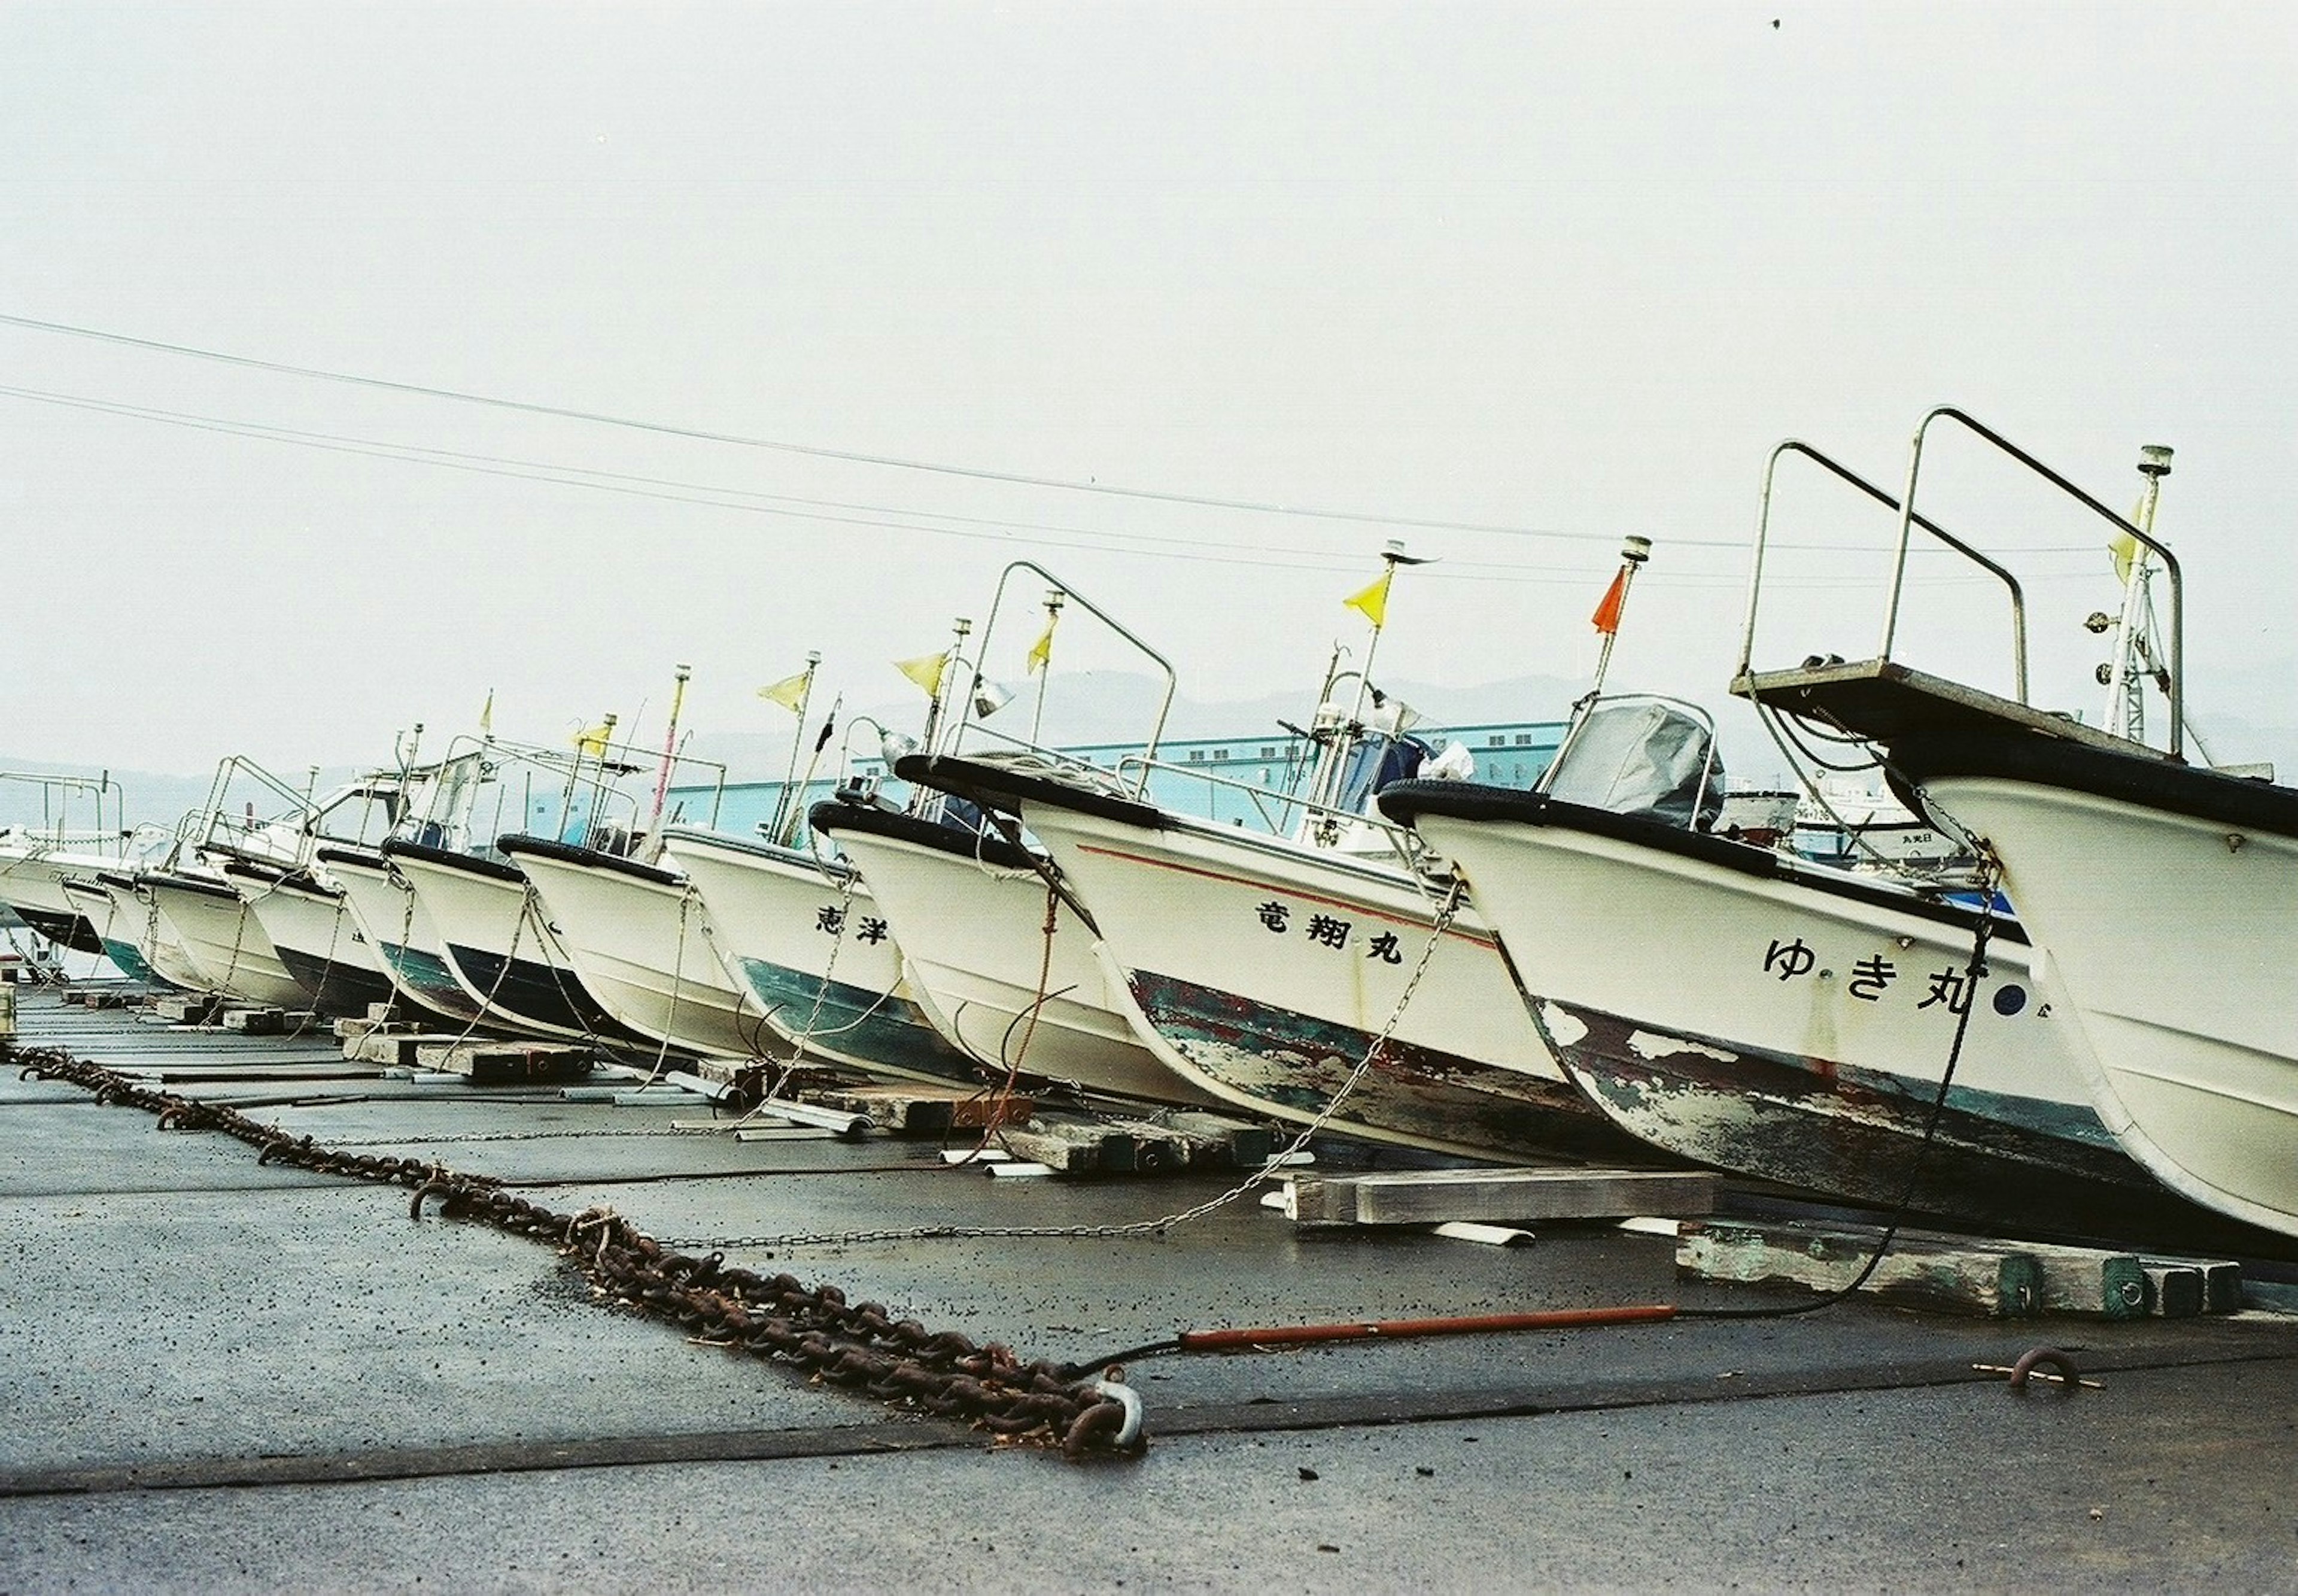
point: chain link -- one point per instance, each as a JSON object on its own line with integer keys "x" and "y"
{"x": 861, "y": 1347}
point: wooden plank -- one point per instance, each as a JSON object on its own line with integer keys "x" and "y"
{"x": 1502, "y": 1196}
{"x": 1988, "y": 1283}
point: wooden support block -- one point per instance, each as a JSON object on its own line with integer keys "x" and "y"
{"x": 187, "y": 1008}
{"x": 2094, "y": 1284}
{"x": 917, "y": 1110}
{"x": 2076, "y": 1280}
{"x": 2221, "y": 1280}
{"x": 1500, "y": 1196}
{"x": 1249, "y": 1146}
{"x": 386, "y": 1047}
{"x": 2172, "y": 1291}
{"x": 380, "y": 1013}
{"x": 255, "y": 1022}
{"x": 505, "y": 1063}
{"x": 1998, "y": 1284}
{"x": 1072, "y": 1148}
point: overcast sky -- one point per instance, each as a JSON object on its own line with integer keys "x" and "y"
{"x": 1557, "y": 273}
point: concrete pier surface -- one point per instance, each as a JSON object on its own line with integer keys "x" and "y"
{"x": 226, "y": 1376}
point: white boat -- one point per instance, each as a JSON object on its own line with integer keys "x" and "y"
{"x": 116, "y": 932}
{"x": 137, "y": 917}
{"x": 1004, "y": 968}
{"x": 500, "y": 946}
{"x": 38, "y": 863}
{"x": 221, "y": 936}
{"x": 384, "y": 908}
{"x": 1757, "y": 1014}
{"x": 2166, "y": 895}
{"x": 1263, "y": 968}
{"x": 310, "y": 928}
{"x": 807, "y": 938}
{"x": 643, "y": 941}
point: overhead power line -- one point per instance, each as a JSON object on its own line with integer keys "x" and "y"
{"x": 810, "y": 451}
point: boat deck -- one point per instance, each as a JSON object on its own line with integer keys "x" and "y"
{"x": 225, "y": 1374}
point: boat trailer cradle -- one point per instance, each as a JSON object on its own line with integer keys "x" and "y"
{"x": 858, "y": 1347}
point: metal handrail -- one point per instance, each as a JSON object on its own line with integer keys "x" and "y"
{"x": 2169, "y": 561}
{"x": 51, "y": 784}
{"x": 1908, "y": 518}
{"x": 1261, "y": 797}
{"x": 1172, "y": 682}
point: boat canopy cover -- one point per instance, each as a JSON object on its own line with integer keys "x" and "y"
{"x": 1642, "y": 756}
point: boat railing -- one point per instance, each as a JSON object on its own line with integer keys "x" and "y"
{"x": 1320, "y": 826}
{"x": 573, "y": 794}
{"x": 1795, "y": 447}
{"x": 983, "y": 698}
{"x": 1908, "y": 517}
{"x": 57, "y": 794}
{"x": 1279, "y": 809}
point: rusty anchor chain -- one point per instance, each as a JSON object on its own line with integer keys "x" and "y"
{"x": 860, "y": 1347}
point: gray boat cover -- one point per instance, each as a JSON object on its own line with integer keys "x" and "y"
{"x": 1642, "y": 756}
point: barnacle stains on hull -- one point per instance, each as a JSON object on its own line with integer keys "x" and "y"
{"x": 1296, "y": 1063}
{"x": 2018, "y": 1164}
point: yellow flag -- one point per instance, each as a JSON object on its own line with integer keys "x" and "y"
{"x": 789, "y": 693}
{"x": 2124, "y": 548}
{"x": 926, "y": 671}
{"x": 1374, "y": 600}
{"x": 487, "y": 716}
{"x": 1041, "y": 654}
{"x": 592, "y": 740}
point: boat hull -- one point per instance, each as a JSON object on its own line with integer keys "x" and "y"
{"x": 137, "y": 919}
{"x": 818, "y": 956}
{"x": 223, "y": 937}
{"x": 645, "y": 948}
{"x": 976, "y": 948}
{"x": 33, "y": 882}
{"x": 1740, "y": 1014}
{"x": 117, "y": 941}
{"x": 320, "y": 944}
{"x": 2194, "y": 1037}
{"x": 407, "y": 945}
{"x": 1267, "y": 971}
{"x": 502, "y": 950}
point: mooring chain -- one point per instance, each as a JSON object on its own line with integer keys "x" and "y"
{"x": 861, "y": 1347}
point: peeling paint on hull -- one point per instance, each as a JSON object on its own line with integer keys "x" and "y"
{"x": 1849, "y": 1134}
{"x": 1295, "y": 1063}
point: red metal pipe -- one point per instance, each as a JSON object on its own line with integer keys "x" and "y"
{"x": 1553, "y": 1319}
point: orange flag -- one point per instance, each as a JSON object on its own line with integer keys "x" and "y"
{"x": 1607, "y": 618}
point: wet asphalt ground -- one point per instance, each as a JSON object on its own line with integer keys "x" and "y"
{"x": 222, "y": 1376}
